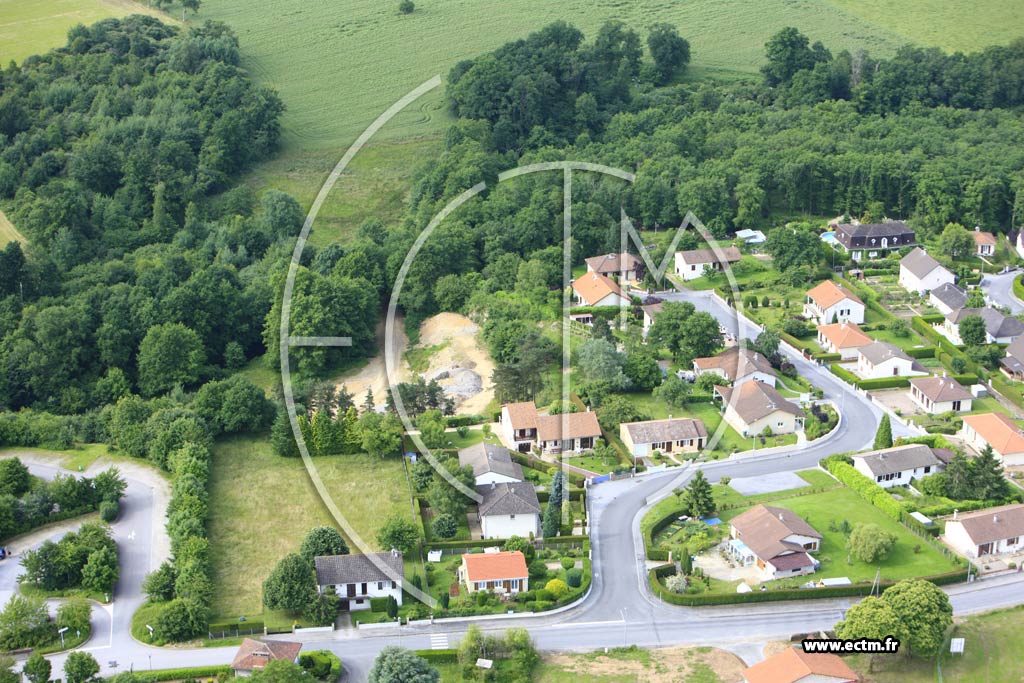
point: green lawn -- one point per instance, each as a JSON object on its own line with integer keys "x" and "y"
{"x": 259, "y": 372}
{"x": 821, "y": 510}
{"x": 261, "y": 506}
{"x": 993, "y": 643}
{"x": 31, "y": 27}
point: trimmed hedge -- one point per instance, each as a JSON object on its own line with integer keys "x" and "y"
{"x": 236, "y": 626}
{"x": 487, "y": 543}
{"x": 378, "y": 604}
{"x": 828, "y": 357}
{"x": 464, "y": 420}
{"x": 843, "y": 374}
{"x": 184, "y": 673}
{"x": 921, "y": 352}
{"x": 439, "y": 656}
{"x": 654, "y": 578}
{"x": 1018, "y": 287}
{"x": 883, "y": 383}
{"x": 865, "y": 488}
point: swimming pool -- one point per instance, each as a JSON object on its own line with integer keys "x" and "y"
{"x": 829, "y": 237}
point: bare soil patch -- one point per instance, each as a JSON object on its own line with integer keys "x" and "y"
{"x": 665, "y": 665}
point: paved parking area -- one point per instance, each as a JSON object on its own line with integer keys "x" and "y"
{"x": 767, "y": 483}
{"x": 897, "y": 400}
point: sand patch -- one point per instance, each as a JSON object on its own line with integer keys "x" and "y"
{"x": 663, "y": 665}
{"x": 462, "y": 366}
{"x": 373, "y": 376}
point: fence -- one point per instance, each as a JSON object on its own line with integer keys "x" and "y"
{"x": 236, "y": 630}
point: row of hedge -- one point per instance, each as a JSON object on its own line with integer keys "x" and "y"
{"x": 864, "y": 487}
{"x": 184, "y": 673}
{"x": 449, "y": 656}
{"x": 537, "y": 464}
{"x": 487, "y": 543}
{"x": 656, "y": 575}
{"x": 887, "y": 382}
{"x": 1018, "y": 287}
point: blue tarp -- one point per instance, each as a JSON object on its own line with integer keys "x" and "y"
{"x": 713, "y": 521}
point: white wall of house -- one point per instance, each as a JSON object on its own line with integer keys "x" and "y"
{"x": 975, "y": 441}
{"x": 893, "y": 367}
{"x": 957, "y": 537}
{"x": 511, "y": 585}
{"x": 513, "y": 440}
{"x": 846, "y": 310}
{"x": 758, "y": 376}
{"x": 849, "y": 353}
{"x": 986, "y": 249}
{"x": 936, "y": 278}
{"x": 506, "y": 526}
{"x": 359, "y": 594}
{"x": 901, "y": 478}
{"x": 690, "y": 271}
{"x": 611, "y": 299}
{"x": 939, "y": 304}
{"x": 642, "y": 450}
{"x": 569, "y": 445}
{"x": 963, "y": 406}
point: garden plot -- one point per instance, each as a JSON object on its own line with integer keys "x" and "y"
{"x": 768, "y": 483}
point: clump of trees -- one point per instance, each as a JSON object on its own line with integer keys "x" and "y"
{"x": 964, "y": 478}
{"x": 26, "y": 502}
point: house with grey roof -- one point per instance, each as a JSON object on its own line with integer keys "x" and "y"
{"x": 492, "y": 464}
{"x": 948, "y": 298}
{"x": 992, "y": 531}
{"x": 507, "y": 510}
{"x": 738, "y": 365}
{"x": 920, "y": 273}
{"x": 882, "y": 359}
{"x": 357, "y": 578}
{"x": 898, "y": 465}
{"x": 681, "y": 434}
{"x": 999, "y": 327}
{"x": 625, "y": 266}
{"x": 778, "y": 541}
{"x": 938, "y": 395}
{"x": 869, "y": 240}
{"x": 756, "y": 408}
{"x": 1013, "y": 364}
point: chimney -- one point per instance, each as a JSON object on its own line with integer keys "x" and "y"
{"x": 394, "y": 552}
{"x": 995, "y": 519}
{"x": 780, "y": 517}
{"x": 494, "y": 485}
{"x": 956, "y": 514}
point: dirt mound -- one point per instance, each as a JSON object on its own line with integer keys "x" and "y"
{"x": 462, "y": 366}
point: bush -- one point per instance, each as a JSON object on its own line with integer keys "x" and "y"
{"x": 537, "y": 570}
{"x": 378, "y": 604}
{"x": 321, "y": 664}
{"x": 568, "y": 562}
{"x": 558, "y": 588}
{"x": 445, "y": 526}
{"x": 109, "y": 510}
{"x": 544, "y": 595}
{"x": 574, "y": 578}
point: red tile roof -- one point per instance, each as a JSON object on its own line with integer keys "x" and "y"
{"x": 495, "y": 566}
{"x": 255, "y": 653}
{"x": 793, "y": 664}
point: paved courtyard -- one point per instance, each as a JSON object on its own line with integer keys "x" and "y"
{"x": 768, "y": 483}
{"x": 897, "y": 400}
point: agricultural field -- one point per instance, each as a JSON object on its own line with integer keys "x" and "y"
{"x": 29, "y": 28}
{"x": 253, "y": 490}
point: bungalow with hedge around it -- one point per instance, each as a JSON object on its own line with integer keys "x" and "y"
{"x": 920, "y": 273}
{"x": 882, "y": 359}
{"x": 937, "y": 395}
{"x": 357, "y": 579}
{"x": 776, "y": 540}
{"x": 992, "y": 531}
{"x": 255, "y": 653}
{"x": 842, "y": 338}
{"x": 501, "y": 572}
{"x": 999, "y": 432}
{"x": 681, "y": 434}
{"x": 899, "y": 465}
{"x": 508, "y": 510}
{"x": 491, "y": 464}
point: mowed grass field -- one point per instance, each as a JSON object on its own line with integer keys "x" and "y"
{"x": 28, "y": 27}
{"x": 261, "y": 506}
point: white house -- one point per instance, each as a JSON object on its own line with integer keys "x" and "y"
{"x": 992, "y": 531}
{"x": 594, "y": 289}
{"x": 832, "y": 303}
{"x": 357, "y": 578}
{"x": 920, "y": 273}
{"x": 870, "y": 240}
{"x": 681, "y": 434}
{"x": 898, "y": 465}
{"x": 776, "y": 540}
{"x": 690, "y": 265}
{"x": 999, "y": 432}
{"x": 738, "y": 365}
{"x": 503, "y": 572}
{"x": 519, "y": 425}
{"x": 938, "y": 395}
{"x": 491, "y": 464}
{"x": 508, "y": 510}
{"x": 999, "y": 328}
{"x": 754, "y": 408}
{"x": 984, "y": 242}
{"x": 842, "y": 338}
{"x": 948, "y": 298}
{"x": 650, "y": 311}
{"x": 882, "y": 359}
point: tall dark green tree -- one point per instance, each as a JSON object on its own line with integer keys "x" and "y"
{"x": 883, "y": 437}
{"x": 669, "y": 50}
{"x": 698, "y": 498}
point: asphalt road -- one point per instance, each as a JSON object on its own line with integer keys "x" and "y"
{"x": 999, "y": 290}
{"x": 620, "y": 608}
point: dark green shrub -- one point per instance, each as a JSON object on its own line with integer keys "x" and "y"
{"x": 568, "y": 562}
{"x": 109, "y": 510}
{"x": 574, "y": 578}
{"x": 378, "y": 604}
